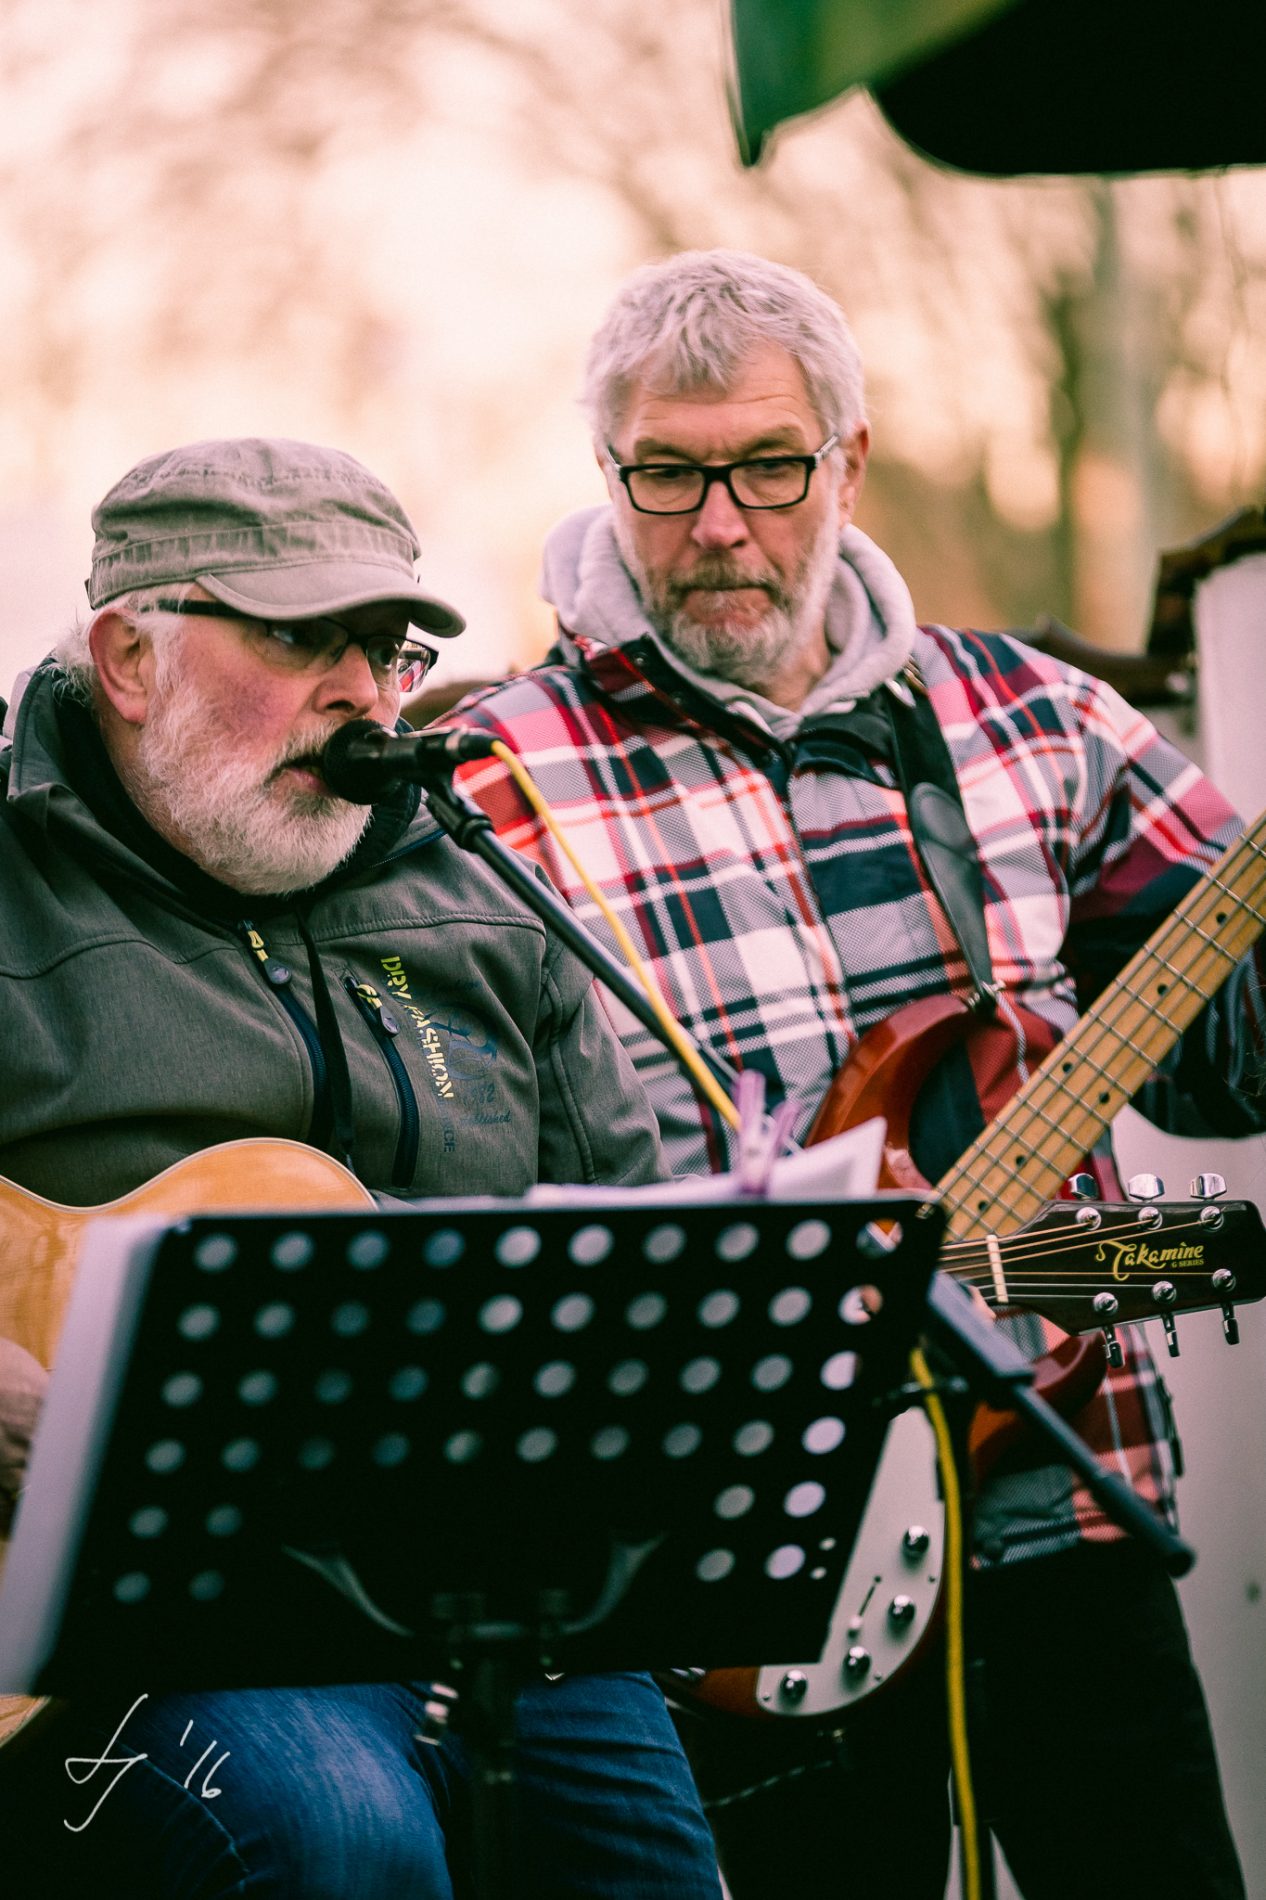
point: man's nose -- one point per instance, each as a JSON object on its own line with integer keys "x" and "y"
{"x": 349, "y": 681}
{"x": 720, "y": 522}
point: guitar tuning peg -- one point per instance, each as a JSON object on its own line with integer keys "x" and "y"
{"x": 1165, "y": 1294}
{"x": 1106, "y": 1307}
{"x": 1145, "y": 1187}
{"x": 1081, "y": 1187}
{"x": 1207, "y": 1188}
{"x": 1224, "y": 1282}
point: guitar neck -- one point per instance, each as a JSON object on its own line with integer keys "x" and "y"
{"x": 1059, "y": 1114}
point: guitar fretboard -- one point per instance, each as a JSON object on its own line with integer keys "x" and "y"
{"x": 1021, "y": 1159}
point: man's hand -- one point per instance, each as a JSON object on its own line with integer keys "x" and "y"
{"x": 22, "y": 1383}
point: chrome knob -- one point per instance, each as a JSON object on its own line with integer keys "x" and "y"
{"x": 794, "y": 1686}
{"x": 856, "y": 1663}
{"x": 1145, "y": 1187}
{"x": 1164, "y": 1293}
{"x": 1106, "y": 1305}
{"x": 1081, "y": 1187}
{"x": 915, "y": 1541}
{"x": 901, "y": 1611}
{"x": 1207, "y": 1187}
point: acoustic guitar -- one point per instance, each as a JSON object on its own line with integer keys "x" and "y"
{"x": 39, "y": 1246}
{"x": 996, "y": 1199}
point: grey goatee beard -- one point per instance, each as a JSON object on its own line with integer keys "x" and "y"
{"x": 750, "y": 656}
{"x": 229, "y": 814}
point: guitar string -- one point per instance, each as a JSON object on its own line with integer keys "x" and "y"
{"x": 1033, "y": 1280}
{"x": 1125, "y": 999}
{"x": 1046, "y": 1083}
{"x": 1144, "y": 1050}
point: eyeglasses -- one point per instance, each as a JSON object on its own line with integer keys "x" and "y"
{"x": 679, "y": 488}
{"x": 316, "y": 646}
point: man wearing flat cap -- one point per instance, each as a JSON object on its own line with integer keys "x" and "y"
{"x": 200, "y": 943}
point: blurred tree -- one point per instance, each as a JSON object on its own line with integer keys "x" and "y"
{"x": 1059, "y": 371}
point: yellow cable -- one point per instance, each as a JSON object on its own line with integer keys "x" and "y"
{"x": 703, "y": 1077}
{"x": 955, "y": 1681}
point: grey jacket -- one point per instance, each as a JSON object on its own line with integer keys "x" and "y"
{"x": 146, "y": 1013}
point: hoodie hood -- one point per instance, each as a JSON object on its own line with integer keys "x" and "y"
{"x": 870, "y": 616}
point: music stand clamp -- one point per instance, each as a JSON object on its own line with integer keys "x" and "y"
{"x": 459, "y": 1444}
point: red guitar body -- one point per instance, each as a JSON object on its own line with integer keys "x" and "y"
{"x": 884, "y": 1076}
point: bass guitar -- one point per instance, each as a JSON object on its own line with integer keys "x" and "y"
{"x": 994, "y": 1198}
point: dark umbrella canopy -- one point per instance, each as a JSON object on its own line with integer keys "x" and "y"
{"x": 1007, "y": 87}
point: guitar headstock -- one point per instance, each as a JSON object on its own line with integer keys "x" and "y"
{"x": 1088, "y": 1265}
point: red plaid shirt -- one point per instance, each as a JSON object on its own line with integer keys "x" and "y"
{"x": 781, "y": 905}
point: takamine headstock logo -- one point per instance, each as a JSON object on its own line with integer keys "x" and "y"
{"x": 1126, "y": 1257}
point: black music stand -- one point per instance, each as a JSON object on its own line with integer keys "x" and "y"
{"x": 467, "y": 1442}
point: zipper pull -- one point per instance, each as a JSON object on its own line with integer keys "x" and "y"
{"x": 370, "y": 1004}
{"x": 278, "y": 974}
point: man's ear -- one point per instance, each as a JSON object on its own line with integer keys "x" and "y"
{"x": 124, "y": 659}
{"x": 855, "y": 452}
{"x": 609, "y": 475}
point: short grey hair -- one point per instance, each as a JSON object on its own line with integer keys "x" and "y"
{"x": 693, "y": 318}
{"x": 73, "y": 655}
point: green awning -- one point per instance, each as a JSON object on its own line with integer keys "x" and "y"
{"x": 1004, "y": 87}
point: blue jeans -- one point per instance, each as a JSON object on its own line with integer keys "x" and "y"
{"x": 324, "y": 1794}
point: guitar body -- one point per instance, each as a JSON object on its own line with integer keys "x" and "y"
{"x": 884, "y": 1076}
{"x": 41, "y": 1245}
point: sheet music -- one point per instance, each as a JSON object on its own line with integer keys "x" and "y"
{"x": 845, "y": 1168}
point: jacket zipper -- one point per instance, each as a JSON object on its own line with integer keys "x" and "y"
{"x": 385, "y": 1029}
{"x": 279, "y": 978}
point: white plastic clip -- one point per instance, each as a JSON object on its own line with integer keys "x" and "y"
{"x": 761, "y": 1138}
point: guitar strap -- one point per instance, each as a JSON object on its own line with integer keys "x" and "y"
{"x": 897, "y": 723}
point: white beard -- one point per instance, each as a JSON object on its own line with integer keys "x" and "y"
{"x": 229, "y": 813}
{"x": 750, "y": 656}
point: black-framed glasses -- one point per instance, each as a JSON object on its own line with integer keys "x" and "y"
{"x": 315, "y": 646}
{"x": 679, "y": 488}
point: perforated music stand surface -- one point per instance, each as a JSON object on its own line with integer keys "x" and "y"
{"x": 642, "y": 1437}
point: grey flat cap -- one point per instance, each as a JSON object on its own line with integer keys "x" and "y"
{"x": 283, "y": 530}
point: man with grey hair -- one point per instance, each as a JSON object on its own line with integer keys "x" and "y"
{"x": 198, "y": 944}
{"x": 808, "y": 811}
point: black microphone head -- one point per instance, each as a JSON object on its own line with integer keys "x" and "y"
{"x": 352, "y": 762}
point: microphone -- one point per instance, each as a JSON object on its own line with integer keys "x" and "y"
{"x": 362, "y": 759}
